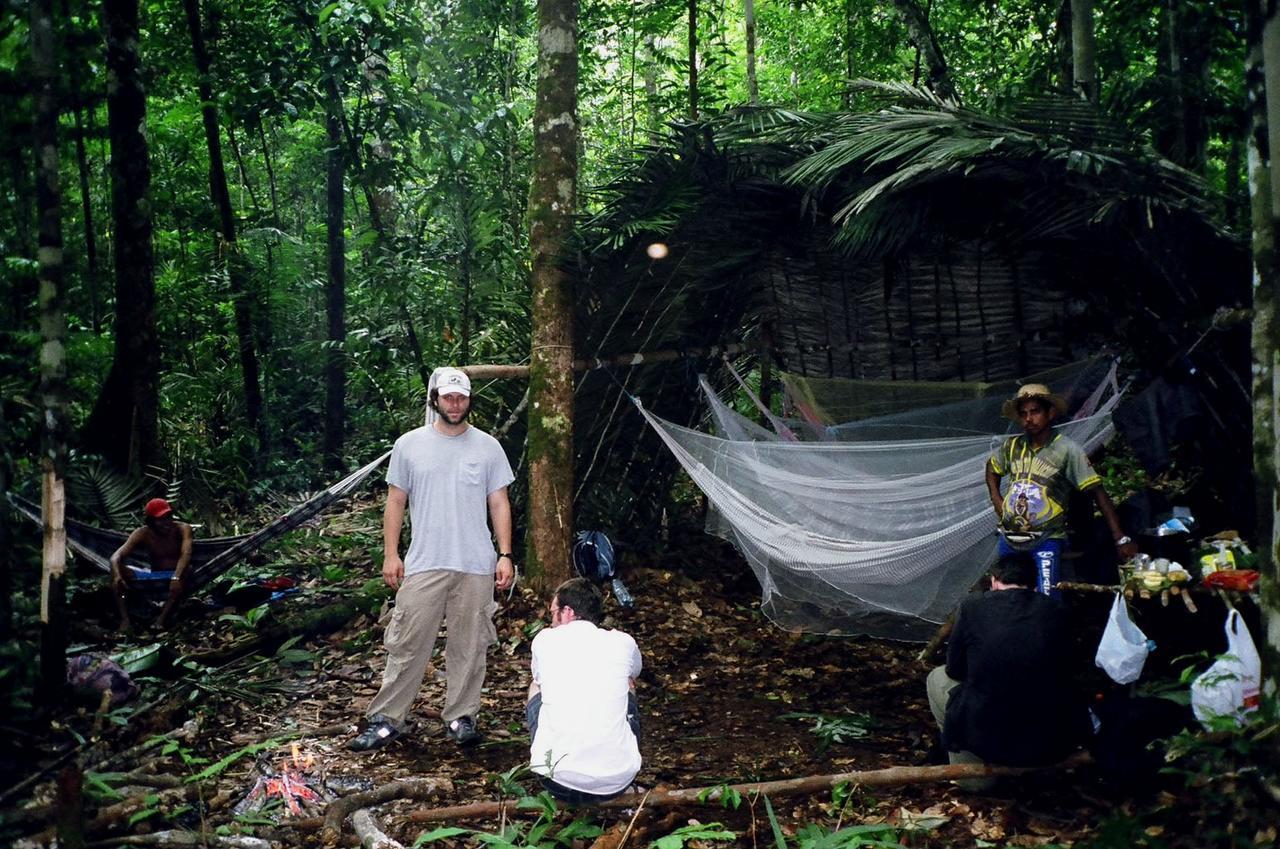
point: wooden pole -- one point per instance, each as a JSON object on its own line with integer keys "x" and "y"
{"x": 888, "y": 777}
{"x": 499, "y": 372}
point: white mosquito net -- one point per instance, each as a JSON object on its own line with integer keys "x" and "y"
{"x": 877, "y": 526}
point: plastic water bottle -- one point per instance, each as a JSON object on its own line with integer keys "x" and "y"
{"x": 622, "y": 594}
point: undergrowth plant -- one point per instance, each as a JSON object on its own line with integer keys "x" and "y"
{"x": 1225, "y": 792}
{"x": 835, "y": 728}
{"x": 543, "y": 833}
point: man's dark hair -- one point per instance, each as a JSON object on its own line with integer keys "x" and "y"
{"x": 1018, "y": 569}
{"x": 581, "y": 595}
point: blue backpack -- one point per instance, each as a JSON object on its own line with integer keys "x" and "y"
{"x": 593, "y": 559}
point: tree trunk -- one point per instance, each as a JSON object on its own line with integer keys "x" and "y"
{"x": 651, "y": 87}
{"x": 749, "y": 13}
{"x": 53, "y": 361}
{"x": 1065, "y": 74}
{"x": 93, "y": 279}
{"x": 1185, "y": 51}
{"x": 227, "y": 248}
{"x": 693, "y": 60}
{"x": 846, "y": 96}
{"x": 1263, "y": 95}
{"x": 1084, "y": 63}
{"x": 921, "y": 33}
{"x": 335, "y": 371}
{"x": 6, "y": 541}
{"x": 552, "y": 201}
{"x": 123, "y": 425}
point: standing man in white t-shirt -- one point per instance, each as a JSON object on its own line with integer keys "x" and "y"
{"x": 450, "y": 475}
{"x": 582, "y": 715}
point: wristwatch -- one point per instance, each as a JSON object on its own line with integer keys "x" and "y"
{"x": 1124, "y": 540}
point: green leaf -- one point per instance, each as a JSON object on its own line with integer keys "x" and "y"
{"x": 439, "y": 834}
{"x": 678, "y": 838}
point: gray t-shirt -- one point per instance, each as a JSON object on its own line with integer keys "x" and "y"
{"x": 448, "y": 479}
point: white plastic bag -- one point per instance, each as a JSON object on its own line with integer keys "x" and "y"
{"x": 1124, "y": 648}
{"x": 1230, "y": 687}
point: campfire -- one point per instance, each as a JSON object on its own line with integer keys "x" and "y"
{"x": 293, "y": 782}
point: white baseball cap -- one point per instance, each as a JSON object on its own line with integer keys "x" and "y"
{"x": 450, "y": 381}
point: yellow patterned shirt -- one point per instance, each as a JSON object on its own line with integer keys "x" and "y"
{"x": 1038, "y": 481}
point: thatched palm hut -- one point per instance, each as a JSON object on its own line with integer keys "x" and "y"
{"x": 923, "y": 241}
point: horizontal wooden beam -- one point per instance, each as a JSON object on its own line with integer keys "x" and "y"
{"x": 521, "y": 372}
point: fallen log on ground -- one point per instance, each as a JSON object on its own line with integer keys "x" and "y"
{"x": 408, "y": 788}
{"x": 321, "y": 620}
{"x": 889, "y": 777}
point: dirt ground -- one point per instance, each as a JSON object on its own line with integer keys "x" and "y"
{"x": 718, "y": 685}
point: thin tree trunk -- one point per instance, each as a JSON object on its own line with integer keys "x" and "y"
{"x": 693, "y": 60}
{"x": 552, "y": 201}
{"x": 846, "y": 95}
{"x": 1084, "y": 63}
{"x": 53, "y": 366}
{"x": 93, "y": 277}
{"x": 1063, "y": 64}
{"x": 1262, "y": 75}
{"x": 336, "y": 357}
{"x": 227, "y": 249}
{"x": 749, "y": 13}
{"x": 70, "y": 818}
{"x": 244, "y": 173}
{"x": 6, "y": 540}
{"x": 921, "y": 33}
{"x": 651, "y": 87}
{"x": 271, "y": 174}
{"x": 465, "y": 222}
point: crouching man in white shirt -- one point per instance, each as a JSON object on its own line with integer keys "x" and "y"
{"x": 581, "y": 712}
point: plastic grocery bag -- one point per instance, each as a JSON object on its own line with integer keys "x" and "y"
{"x": 1124, "y": 648}
{"x": 1230, "y": 687}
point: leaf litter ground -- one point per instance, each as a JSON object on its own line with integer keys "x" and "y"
{"x": 726, "y": 698}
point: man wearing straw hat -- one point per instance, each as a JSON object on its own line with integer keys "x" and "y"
{"x": 1044, "y": 467}
{"x": 449, "y": 475}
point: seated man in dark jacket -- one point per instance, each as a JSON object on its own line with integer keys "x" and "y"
{"x": 1006, "y": 695}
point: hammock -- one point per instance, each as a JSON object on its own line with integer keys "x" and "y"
{"x": 209, "y": 557}
{"x": 871, "y": 527}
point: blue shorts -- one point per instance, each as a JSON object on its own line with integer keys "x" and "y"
{"x": 1048, "y": 557}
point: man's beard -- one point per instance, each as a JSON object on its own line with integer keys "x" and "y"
{"x": 453, "y": 421}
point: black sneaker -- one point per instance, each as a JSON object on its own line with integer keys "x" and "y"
{"x": 463, "y": 731}
{"x": 379, "y": 733}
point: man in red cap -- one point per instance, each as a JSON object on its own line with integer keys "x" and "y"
{"x": 167, "y": 543}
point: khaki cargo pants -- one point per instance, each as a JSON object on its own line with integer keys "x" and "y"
{"x": 465, "y": 602}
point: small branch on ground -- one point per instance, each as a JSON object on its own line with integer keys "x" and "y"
{"x": 370, "y": 833}
{"x": 294, "y": 734}
{"x": 184, "y": 839}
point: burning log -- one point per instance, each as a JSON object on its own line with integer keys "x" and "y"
{"x": 292, "y": 783}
